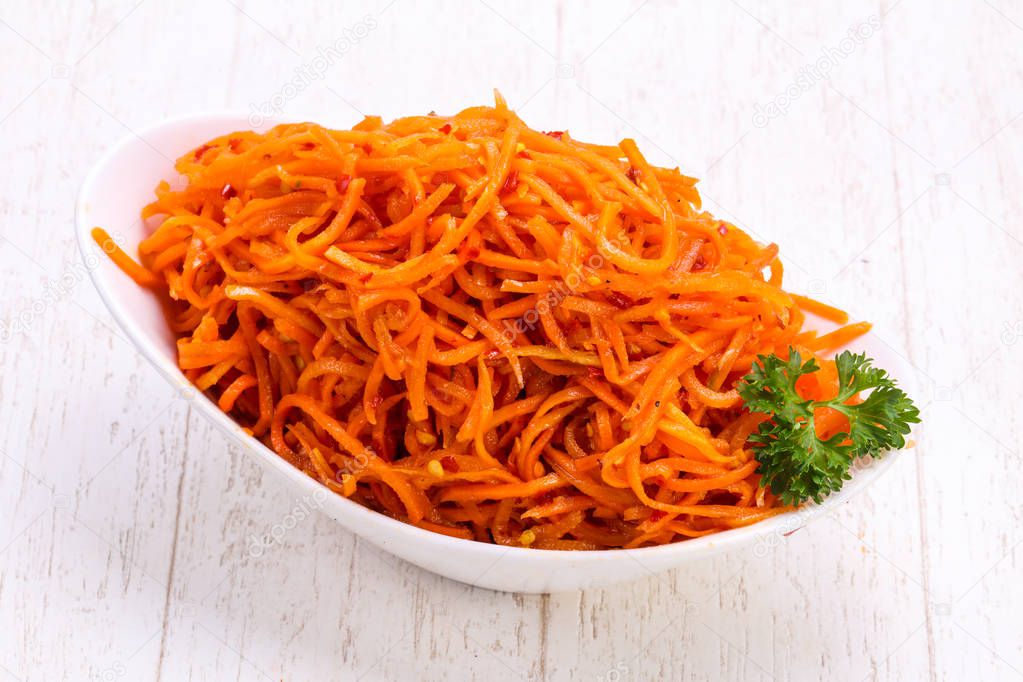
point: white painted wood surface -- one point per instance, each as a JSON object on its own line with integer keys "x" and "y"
{"x": 892, "y": 184}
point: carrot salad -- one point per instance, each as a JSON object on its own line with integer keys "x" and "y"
{"x": 481, "y": 329}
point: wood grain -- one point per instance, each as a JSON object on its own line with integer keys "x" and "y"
{"x": 891, "y": 184}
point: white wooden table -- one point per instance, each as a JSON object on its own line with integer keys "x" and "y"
{"x": 884, "y": 162}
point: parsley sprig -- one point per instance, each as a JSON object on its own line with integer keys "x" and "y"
{"x": 794, "y": 462}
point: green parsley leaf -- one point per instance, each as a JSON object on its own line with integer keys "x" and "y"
{"x": 794, "y": 462}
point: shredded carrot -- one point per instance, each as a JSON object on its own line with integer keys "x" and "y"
{"x": 478, "y": 328}
{"x": 824, "y": 310}
{"x": 142, "y": 276}
{"x": 840, "y": 336}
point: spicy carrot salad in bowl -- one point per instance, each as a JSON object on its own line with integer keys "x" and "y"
{"x": 505, "y": 335}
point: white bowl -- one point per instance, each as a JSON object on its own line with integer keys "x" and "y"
{"x": 112, "y": 196}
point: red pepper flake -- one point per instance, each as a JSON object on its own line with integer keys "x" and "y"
{"x": 633, "y": 174}
{"x": 234, "y": 143}
{"x": 546, "y": 497}
{"x": 524, "y": 155}
{"x": 573, "y": 325}
{"x": 308, "y": 146}
{"x": 446, "y": 128}
{"x": 618, "y": 300}
{"x": 722, "y": 228}
{"x": 365, "y": 277}
{"x": 228, "y": 191}
{"x": 342, "y": 183}
{"x": 556, "y": 134}
{"x": 510, "y": 182}
{"x": 595, "y": 372}
{"x": 656, "y": 515}
{"x": 368, "y": 148}
{"x": 449, "y": 463}
{"x": 202, "y": 150}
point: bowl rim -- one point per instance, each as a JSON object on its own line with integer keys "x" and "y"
{"x": 366, "y": 519}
